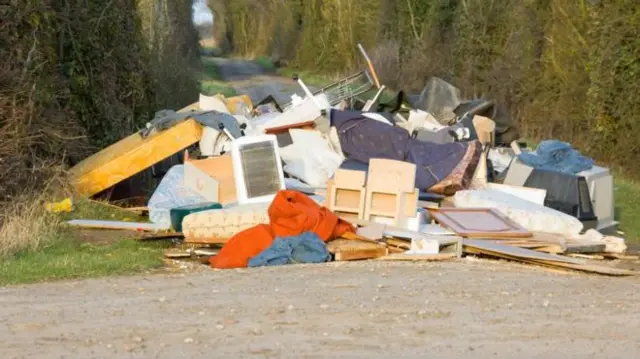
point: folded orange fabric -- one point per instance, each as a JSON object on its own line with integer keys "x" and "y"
{"x": 243, "y": 246}
{"x": 291, "y": 213}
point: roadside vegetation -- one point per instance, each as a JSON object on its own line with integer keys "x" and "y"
{"x": 74, "y": 81}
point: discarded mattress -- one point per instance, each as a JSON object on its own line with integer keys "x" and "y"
{"x": 533, "y": 217}
{"x": 171, "y": 193}
{"x": 363, "y": 139}
{"x": 223, "y": 223}
{"x": 130, "y": 156}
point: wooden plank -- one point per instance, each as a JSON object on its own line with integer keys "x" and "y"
{"x": 207, "y": 240}
{"x": 479, "y": 223}
{"x": 554, "y": 264}
{"x": 201, "y": 182}
{"x": 132, "y": 226}
{"x": 175, "y": 253}
{"x": 592, "y": 268}
{"x": 400, "y": 243}
{"x": 355, "y": 237}
{"x": 586, "y": 256}
{"x": 308, "y": 125}
{"x": 585, "y": 248}
{"x": 417, "y": 257}
{"x": 348, "y": 250}
{"x": 159, "y": 236}
{"x": 130, "y": 156}
{"x": 497, "y": 249}
{"x": 219, "y": 168}
{"x": 393, "y": 249}
{"x": 620, "y": 256}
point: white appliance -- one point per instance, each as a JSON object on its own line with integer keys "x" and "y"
{"x": 257, "y": 168}
{"x": 600, "y": 183}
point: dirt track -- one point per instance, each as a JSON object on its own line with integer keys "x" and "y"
{"x": 461, "y": 309}
{"x": 247, "y": 77}
{"x": 470, "y": 308}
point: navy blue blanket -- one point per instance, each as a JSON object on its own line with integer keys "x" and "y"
{"x": 363, "y": 139}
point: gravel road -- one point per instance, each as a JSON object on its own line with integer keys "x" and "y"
{"x": 467, "y": 308}
{"x": 459, "y": 309}
{"x": 249, "y": 78}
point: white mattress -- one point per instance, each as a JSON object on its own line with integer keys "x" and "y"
{"x": 224, "y": 223}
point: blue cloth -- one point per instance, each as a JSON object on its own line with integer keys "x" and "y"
{"x": 557, "y": 156}
{"x": 305, "y": 248}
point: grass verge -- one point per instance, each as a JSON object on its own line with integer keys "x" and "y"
{"x": 627, "y": 196}
{"x": 66, "y": 257}
{"x": 35, "y": 246}
{"x": 211, "y": 82}
{"x": 266, "y": 63}
{"x": 309, "y": 78}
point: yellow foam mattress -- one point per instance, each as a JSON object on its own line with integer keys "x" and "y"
{"x": 130, "y": 156}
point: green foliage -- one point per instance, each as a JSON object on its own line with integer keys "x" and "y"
{"x": 77, "y": 75}
{"x": 265, "y": 62}
{"x": 211, "y": 82}
{"x": 628, "y": 209}
{"x": 566, "y": 69}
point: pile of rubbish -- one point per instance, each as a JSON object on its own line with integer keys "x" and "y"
{"x": 350, "y": 172}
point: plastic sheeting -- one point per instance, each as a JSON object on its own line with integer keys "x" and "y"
{"x": 171, "y": 193}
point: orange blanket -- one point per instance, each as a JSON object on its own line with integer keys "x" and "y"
{"x": 291, "y": 213}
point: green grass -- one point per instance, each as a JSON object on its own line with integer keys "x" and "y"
{"x": 627, "y": 199}
{"x": 87, "y": 209}
{"x": 65, "y": 258}
{"x": 211, "y": 82}
{"x": 73, "y": 253}
{"x": 309, "y": 78}
{"x": 266, "y": 63}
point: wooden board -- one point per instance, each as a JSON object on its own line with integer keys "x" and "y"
{"x": 417, "y": 257}
{"x": 585, "y": 248}
{"x": 159, "y": 236}
{"x": 583, "y": 267}
{"x": 130, "y": 156}
{"x": 132, "y": 226}
{"x": 400, "y": 243}
{"x": 219, "y": 168}
{"x": 386, "y": 202}
{"x": 201, "y": 182}
{"x": 390, "y": 175}
{"x": 309, "y": 125}
{"x": 349, "y": 250}
{"x": 349, "y": 178}
{"x": 393, "y": 249}
{"x": 495, "y": 248}
{"x": 347, "y": 199}
{"x": 207, "y": 240}
{"x": 479, "y": 223}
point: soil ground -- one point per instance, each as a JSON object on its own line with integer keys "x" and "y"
{"x": 466, "y": 308}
